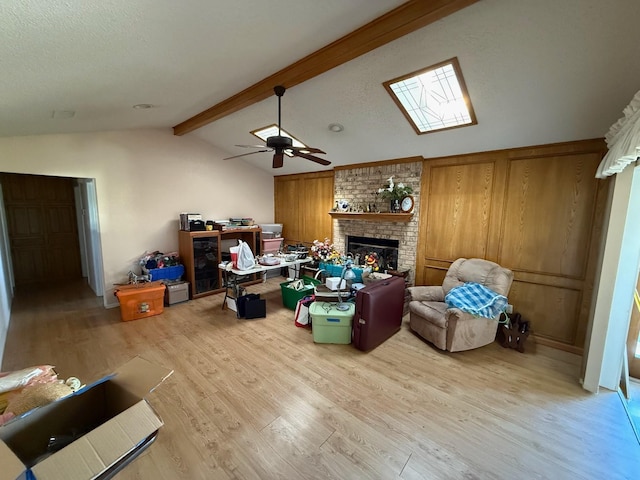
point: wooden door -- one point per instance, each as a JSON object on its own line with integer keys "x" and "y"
{"x": 43, "y": 234}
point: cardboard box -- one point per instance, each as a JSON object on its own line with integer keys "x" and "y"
{"x": 94, "y": 431}
{"x": 140, "y": 300}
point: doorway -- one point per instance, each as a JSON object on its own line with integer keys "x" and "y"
{"x": 43, "y": 235}
{"x": 52, "y": 229}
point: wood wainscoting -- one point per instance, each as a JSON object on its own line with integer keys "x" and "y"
{"x": 536, "y": 210}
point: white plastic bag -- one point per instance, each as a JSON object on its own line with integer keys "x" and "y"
{"x": 301, "y": 315}
{"x": 245, "y": 256}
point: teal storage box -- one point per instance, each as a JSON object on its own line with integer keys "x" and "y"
{"x": 290, "y": 296}
{"x": 330, "y": 325}
{"x": 334, "y": 270}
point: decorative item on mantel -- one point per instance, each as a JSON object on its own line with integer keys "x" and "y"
{"x": 394, "y": 193}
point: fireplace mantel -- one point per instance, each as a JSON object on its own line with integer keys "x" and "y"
{"x": 373, "y": 217}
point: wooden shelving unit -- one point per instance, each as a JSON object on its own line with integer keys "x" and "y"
{"x": 201, "y": 252}
{"x": 373, "y": 217}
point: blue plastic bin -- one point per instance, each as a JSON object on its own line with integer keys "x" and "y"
{"x": 166, "y": 273}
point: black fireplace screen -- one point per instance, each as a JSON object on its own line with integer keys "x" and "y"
{"x": 387, "y": 251}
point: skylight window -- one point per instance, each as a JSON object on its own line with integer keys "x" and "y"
{"x": 434, "y": 98}
{"x": 272, "y": 131}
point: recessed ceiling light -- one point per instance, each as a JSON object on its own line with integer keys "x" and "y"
{"x": 143, "y": 106}
{"x": 336, "y": 127}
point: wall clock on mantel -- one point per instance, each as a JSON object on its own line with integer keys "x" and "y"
{"x": 406, "y": 205}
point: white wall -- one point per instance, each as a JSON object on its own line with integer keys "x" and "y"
{"x": 618, "y": 276}
{"x": 144, "y": 179}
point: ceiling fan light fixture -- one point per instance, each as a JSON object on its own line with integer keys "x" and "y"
{"x": 335, "y": 127}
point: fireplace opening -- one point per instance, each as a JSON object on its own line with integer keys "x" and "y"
{"x": 386, "y": 249}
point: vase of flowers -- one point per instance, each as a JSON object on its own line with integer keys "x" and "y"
{"x": 394, "y": 193}
{"x": 325, "y": 251}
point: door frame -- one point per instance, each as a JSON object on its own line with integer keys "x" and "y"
{"x": 634, "y": 332}
{"x": 91, "y": 230}
{"x": 613, "y": 293}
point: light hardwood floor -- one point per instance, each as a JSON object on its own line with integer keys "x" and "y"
{"x": 257, "y": 399}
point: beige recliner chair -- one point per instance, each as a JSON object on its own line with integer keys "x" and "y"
{"x": 451, "y": 328}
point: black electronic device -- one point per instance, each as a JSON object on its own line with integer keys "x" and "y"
{"x": 197, "y": 226}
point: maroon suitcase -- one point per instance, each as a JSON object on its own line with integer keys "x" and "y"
{"x": 378, "y": 316}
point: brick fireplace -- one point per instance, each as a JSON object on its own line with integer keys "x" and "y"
{"x": 358, "y": 186}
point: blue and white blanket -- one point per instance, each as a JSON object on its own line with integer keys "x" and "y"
{"x": 476, "y": 299}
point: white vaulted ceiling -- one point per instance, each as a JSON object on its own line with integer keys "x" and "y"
{"x": 537, "y": 72}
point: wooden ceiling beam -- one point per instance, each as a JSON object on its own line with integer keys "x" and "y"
{"x": 406, "y": 18}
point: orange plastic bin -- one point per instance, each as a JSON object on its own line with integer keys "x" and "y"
{"x": 140, "y": 300}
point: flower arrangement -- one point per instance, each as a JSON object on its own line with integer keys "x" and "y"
{"x": 325, "y": 251}
{"x": 394, "y": 191}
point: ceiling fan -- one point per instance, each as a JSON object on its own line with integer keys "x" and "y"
{"x": 280, "y": 144}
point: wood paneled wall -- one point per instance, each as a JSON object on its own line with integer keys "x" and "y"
{"x": 536, "y": 210}
{"x": 302, "y": 203}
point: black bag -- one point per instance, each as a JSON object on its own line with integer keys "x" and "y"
{"x": 251, "y": 306}
{"x": 513, "y": 331}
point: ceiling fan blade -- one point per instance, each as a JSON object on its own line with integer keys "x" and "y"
{"x": 296, "y": 150}
{"x": 313, "y": 158}
{"x": 250, "y": 146}
{"x": 245, "y": 154}
{"x": 278, "y": 159}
